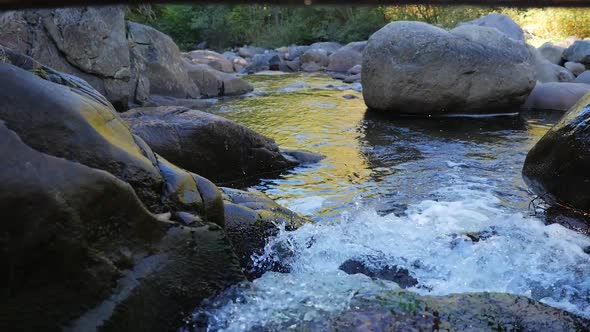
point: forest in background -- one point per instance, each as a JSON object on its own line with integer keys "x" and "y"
{"x": 226, "y": 26}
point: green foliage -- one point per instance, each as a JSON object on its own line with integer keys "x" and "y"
{"x": 225, "y": 26}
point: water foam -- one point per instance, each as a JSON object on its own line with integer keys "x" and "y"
{"x": 467, "y": 243}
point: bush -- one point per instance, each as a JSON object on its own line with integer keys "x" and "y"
{"x": 225, "y": 26}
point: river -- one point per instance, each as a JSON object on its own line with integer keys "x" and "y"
{"x": 403, "y": 191}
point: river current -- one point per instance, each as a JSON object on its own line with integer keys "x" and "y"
{"x": 404, "y": 191}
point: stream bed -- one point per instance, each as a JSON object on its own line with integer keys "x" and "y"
{"x": 401, "y": 191}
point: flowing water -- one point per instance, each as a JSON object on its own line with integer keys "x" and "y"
{"x": 407, "y": 192}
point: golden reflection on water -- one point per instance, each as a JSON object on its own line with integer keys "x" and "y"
{"x": 312, "y": 118}
{"x": 371, "y": 155}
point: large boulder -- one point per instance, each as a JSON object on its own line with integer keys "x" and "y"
{"x": 584, "y": 77}
{"x": 501, "y": 22}
{"x": 79, "y": 249}
{"x": 72, "y": 121}
{"x": 413, "y": 67}
{"x": 347, "y": 57}
{"x": 556, "y": 168}
{"x": 552, "y": 53}
{"x": 579, "y": 51}
{"x": 214, "y": 83}
{"x": 89, "y": 43}
{"x": 555, "y": 96}
{"x": 213, "y": 59}
{"x": 164, "y": 65}
{"x": 209, "y": 145}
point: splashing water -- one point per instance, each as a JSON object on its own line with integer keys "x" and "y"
{"x": 444, "y": 200}
{"x": 518, "y": 255}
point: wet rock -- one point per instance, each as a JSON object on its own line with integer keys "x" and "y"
{"x": 579, "y": 51}
{"x": 251, "y": 219}
{"x": 478, "y": 70}
{"x": 406, "y": 311}
{"x": 71, "y": 120}
{"x": 556, "y": 167}
{"x": 191, "y": 264}
{"x": 214, "y": 83}
{"x": 209, "y": 145}
{"x": 501, "y": 22}
{"x": 552, "y": 53}
{"x": 347, "y": 57}
{"x": 555, "y": 96}
{"x": 349, "y": 96}
{"x": 212, "y": 59}
{"x": 570, "y": 219}
{"x": 394, "y": 273}
{"x": 584, "y": 77}
{"x": 62, "y": 225}
{"x": 575, "y": 67}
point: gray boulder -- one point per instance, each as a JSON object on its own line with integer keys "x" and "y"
{"x": 579, "y": 51}
{"x": 413, "y": 67}
{"x": 552, "y": 53}
{"x": 317, "y": 56}
{"x": 329, "y": 47}
{"x": 163, "y": 62}
{"x": 501, "y": 22}
{"x": 584, "y": 77}
{"x": 347, "y": 57}
{"x": 555, "y": 96}
{"x": 214, "y": 83}
{"x": 213, "y": 59}
{"x": 89, "y": 43}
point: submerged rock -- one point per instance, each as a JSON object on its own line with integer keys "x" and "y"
{"x": 413, "y": 67}
{"x": 556, "y": 168}
{"x": 209, "y": 145}
{"x": 394, "y": 273}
